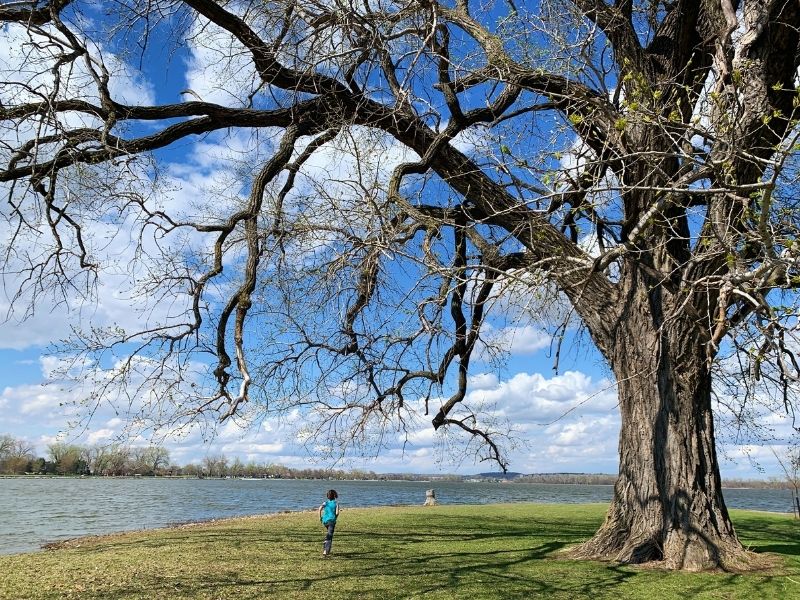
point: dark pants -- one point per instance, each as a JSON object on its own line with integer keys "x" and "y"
{"x": 326, "y": 547}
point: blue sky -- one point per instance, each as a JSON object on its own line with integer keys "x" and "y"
{"x": 565, "y": 422}
{"x": 560, "y": 422}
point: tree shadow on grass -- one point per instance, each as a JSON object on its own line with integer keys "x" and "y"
{"x": 788, "y": 549}
{"x": 500, "y": 574}
{"x": 760, "y": 534}
{"x": 375, "y": 576}
{"x": 454, "y": 558}
{"x": 455, "y": 582}
{"x": 766, "y": 525}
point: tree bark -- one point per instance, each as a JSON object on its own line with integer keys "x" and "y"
{"x": 667, "y": 503}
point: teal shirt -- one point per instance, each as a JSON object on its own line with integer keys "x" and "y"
{"x": 329, "y": 512}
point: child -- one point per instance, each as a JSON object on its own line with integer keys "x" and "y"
{"x": 328, "y": 512}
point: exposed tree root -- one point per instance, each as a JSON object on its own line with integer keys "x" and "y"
{"x": 673, "y": 550}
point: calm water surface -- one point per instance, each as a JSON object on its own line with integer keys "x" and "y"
{"x": 36, "y": 511}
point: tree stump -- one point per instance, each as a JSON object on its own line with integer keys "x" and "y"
{"x": 430, "y": 498}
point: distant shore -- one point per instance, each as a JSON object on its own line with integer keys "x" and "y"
{"x": 541, "y": 478}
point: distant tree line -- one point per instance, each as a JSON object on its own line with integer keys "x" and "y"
{"x": 575, "y": 478}
{"x": 773, "y": 483}
{"x": 18, "y": 457}
{"x": 222, "y": 466}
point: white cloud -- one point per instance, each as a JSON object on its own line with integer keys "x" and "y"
{"x": 219, "y": 69}
{"x": 483, "y": 381}
{"x": 533, "y": 398}
{"x": 578, "y": 433}
{"x": 565, "y": 423}
{"x": 128, "y": 85}
{"x": 38, "y": 402}
{"x": 100, "y": 435}
{"x": 519, "y": 340}
{"x": 42, "y": 402}
{"x": 27, "y": 56}
{"x": 39, "y": 331}
{"x": 45, "y": 440}
{"x": 273, "y": 448}
{"x": 109, "y": 245}
{"x": 424, "y": 436}
{"x": 358, "y": 155}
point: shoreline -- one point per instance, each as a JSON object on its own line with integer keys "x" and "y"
{"x": 169, "y": 503}
{"x": 76, "y": 542}
{"x": 757, "y": 485}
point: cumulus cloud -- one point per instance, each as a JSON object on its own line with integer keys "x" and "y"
{"x": 357, "y": 160}
{"x": 534, "y": 398}
{"x": 24, "y": 58}
{"x": 566, "y": 422}
{"x": 219, "y": 68}
{"x": 426, "y": 436}
{"x": 578, "y": 440}
{"x": 483, "y": 381}
{"x": 743, "y": 460}
{"x": 100, "y": 435}
{"x": 36, "y": 405}
{"x": 38, "y": 331}
{"x": 207, "y": 181}
{"x": 37, "y": 401}
{"x": 577, "y": 433}
{"x": 525, "y": 339}
{"x": 26, "y": 54}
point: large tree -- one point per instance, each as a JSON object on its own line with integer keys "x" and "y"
{"x": 632, "y": 161}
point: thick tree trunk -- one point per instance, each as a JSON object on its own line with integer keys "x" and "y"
{"x": 667, "y": 503}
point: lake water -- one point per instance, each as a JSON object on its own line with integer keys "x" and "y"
{"x": 39, "y": 510}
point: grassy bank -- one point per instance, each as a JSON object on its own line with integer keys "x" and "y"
{"x": 498, "y": 551}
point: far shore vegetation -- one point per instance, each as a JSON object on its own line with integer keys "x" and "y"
{"x": 497, "y": 551}
{"x": 18, "y": 458}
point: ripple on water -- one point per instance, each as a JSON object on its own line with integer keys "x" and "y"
{"x": 41, "y": 510}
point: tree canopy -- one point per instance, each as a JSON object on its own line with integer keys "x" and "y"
{"x": 412, "y": 171}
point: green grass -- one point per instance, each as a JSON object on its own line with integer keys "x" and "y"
{"x": 497, "y": 551}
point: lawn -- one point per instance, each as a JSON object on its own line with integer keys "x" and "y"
{"x": 496, "y": 551}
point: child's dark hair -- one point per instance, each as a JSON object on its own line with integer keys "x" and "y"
{"x": 332, "y": 495}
